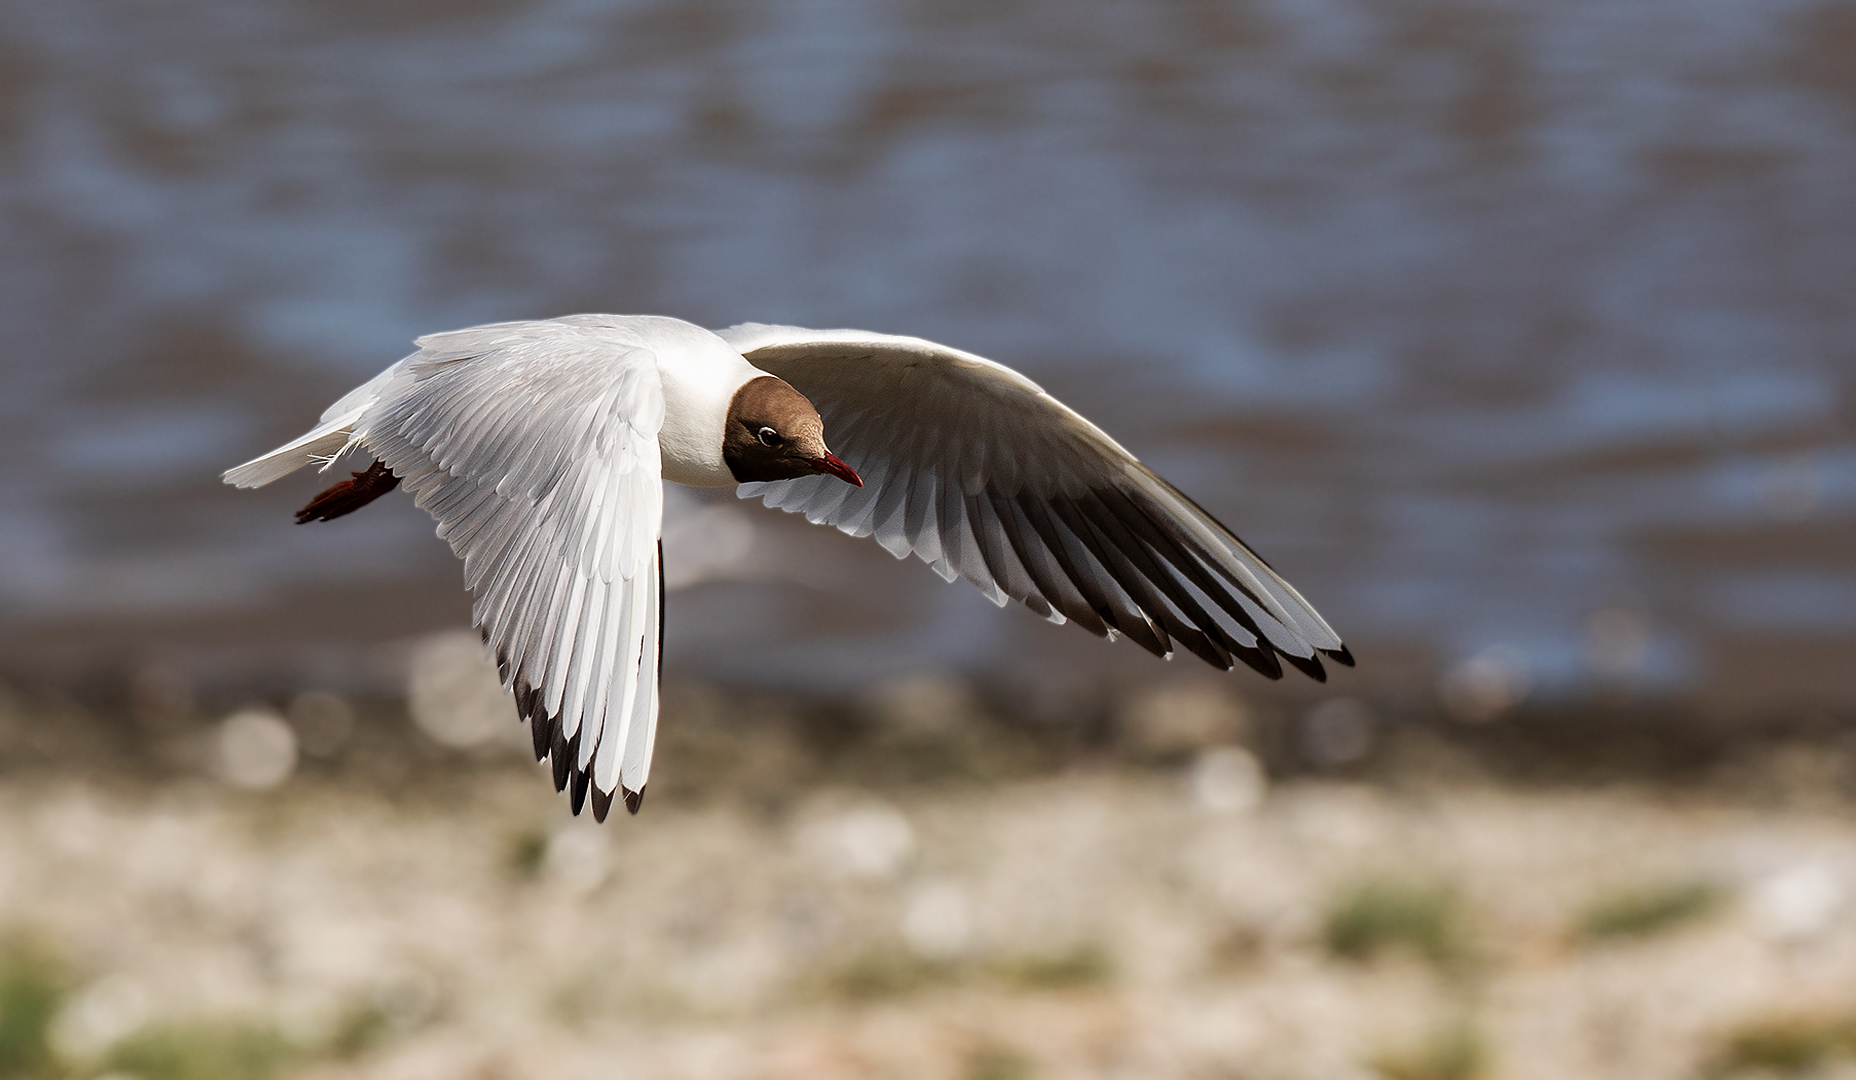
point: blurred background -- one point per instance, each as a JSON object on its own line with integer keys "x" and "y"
{"x": 1520, "y": 337}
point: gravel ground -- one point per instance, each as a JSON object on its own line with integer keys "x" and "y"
{"x": 1150, "y": 924}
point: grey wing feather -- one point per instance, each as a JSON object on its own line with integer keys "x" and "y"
{"x": 977, "y": 471}
{"x": 535, "y": 446}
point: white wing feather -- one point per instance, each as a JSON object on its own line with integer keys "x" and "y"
{"x": 535, "y": 446}
{"x": 977, "y": 471}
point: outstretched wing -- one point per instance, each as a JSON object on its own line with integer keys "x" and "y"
{"x": 534, "y": 445}
{"x": 977, "y": 471}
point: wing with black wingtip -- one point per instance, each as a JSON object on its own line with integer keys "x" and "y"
{"x": 535, "y": 446}
{"x": 978, "y": 472}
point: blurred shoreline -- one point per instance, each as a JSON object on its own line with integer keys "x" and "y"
{"x": 927, "y": 879}
{"x": 435, "y": 706}
{"x": 775, "y": 913}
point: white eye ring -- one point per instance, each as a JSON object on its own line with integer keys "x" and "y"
{"x": 768, "y": 436}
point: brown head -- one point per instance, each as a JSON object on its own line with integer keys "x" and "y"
{"x": 774, "y": 433}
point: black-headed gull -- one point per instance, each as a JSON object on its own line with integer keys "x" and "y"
{"x": 541, "y": 447}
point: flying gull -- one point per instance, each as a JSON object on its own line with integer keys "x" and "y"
{"x": 540, "y": 448}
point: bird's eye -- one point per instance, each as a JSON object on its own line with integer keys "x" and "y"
{"x": 768, "y": 437}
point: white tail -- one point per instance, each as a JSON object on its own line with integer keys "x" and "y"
{"x": 324, "y": 442}
{"x": 321, "y": 445}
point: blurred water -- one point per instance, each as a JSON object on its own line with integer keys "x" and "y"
{"x": 1478, "y": 318}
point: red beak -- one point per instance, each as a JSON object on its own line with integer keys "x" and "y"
{"x": 830, "y": 464}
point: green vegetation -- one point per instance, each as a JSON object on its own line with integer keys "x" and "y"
{"x": 526, "y": 854}
{"x": 202, "y": 1051}
{"x": 1456, "y": 1052}
{"x": 1785, "y": 1045}
{"x": 887, "y": 973}
{"x": 1379, "y": 915}
{"x": 1086, "y": 964}
{"x": 1648, "y": 910}
{"x": 363, "y": 1026}
{"x": 32, "y": 989}
{"x": 996, "y": 1063}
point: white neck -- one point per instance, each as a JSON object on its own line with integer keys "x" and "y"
{"x": 701, "y": 374}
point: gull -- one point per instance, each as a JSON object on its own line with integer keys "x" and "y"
{"x": 541, "y": 449}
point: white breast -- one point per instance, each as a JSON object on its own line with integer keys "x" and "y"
{"x": 701, "y": 373}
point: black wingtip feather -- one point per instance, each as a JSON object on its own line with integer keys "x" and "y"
{"x": 602, "y": 804}
{"x": 1342, "y": 655}
{"x": 581, "y": 782}
{"x": 1307, "y": 665}
{"x": 563, "y": 752}
{"x": 633, "y": 799}
{"x": 530, "y": 712}
{"x": 1262, "y": 661}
